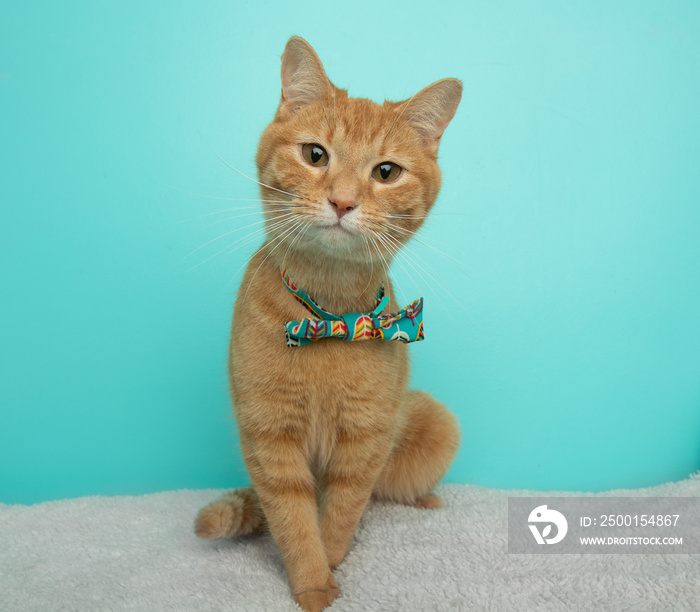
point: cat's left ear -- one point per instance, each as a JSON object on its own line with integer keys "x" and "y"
{"x": 432, "y": 108}
{"x": 303, "y": 78}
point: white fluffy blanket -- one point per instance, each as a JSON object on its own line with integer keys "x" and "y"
{"x": 139, "y": 553}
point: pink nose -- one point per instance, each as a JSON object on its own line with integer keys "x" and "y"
{"x": 341, "y": 206}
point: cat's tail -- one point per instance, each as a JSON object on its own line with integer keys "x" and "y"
{"x": 236, "y": 513}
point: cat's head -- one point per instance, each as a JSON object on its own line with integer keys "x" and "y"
{"x": 346, "y": 177}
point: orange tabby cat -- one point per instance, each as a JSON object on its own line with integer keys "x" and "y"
{"x": 323, "y": 427}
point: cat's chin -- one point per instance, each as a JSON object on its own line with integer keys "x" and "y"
{"x": 337, "y": 237}
{"x": 333, "y": 241}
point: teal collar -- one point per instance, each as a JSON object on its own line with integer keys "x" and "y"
{"x": 405, "y": 325}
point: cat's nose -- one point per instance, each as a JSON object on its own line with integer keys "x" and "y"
{"x": 342, "y": 206}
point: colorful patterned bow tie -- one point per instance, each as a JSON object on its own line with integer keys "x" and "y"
{"x": 405, "y": 325}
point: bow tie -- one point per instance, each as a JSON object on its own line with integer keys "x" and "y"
{"x": 405, "y": 325}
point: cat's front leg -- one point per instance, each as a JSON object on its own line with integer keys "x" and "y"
{"x": 285, "y": 487}
{"x": 348, "y": 481}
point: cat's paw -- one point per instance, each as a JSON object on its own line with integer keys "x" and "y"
{"x": 315, "y": 600}
{"x": 429, "y": 502}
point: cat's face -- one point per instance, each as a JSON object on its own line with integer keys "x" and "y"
{"x": 352, "y": 179}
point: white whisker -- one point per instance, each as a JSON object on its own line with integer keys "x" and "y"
{"x": 227, "y": 234}
{"x": 252, "y": 179}
{"x": 371, "y": 263}
{"x": 210, "y": 197}
{"x": 254, "y": 234}
{"x": 374, "y": 238}
{"x": 245, "y": 263}
{"x": 253, "y": 214}
{"x": 279, "y": 240}
{"x": 227, "y": 210}
{"x": 399, "y": 253}
{"x": 447, "y": 291}
{"x": 394, "y": 252}
{"x": 402, "y": 216}
{"x": 414, "y": 236}
{"x": 296, "y": 238}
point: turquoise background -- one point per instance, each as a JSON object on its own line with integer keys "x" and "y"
{"x": 570, "y": 346}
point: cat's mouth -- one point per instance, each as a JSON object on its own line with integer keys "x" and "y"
{"x": 336, "y": 229}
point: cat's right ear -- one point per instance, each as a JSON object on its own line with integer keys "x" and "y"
{"x": 432, "y": 109}
{"x": 303, "y": 78}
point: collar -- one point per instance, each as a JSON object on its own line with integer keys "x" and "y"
{"x": 405, "y": 325}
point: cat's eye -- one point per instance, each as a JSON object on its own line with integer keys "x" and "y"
{"x": 386, "y": 172}
{"x": 314, "y": 154}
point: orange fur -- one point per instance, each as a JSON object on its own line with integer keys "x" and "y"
{"x": 324, "y": 427}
